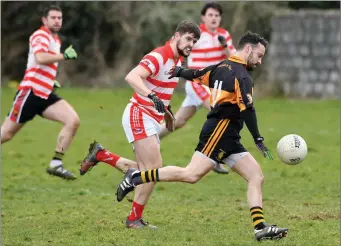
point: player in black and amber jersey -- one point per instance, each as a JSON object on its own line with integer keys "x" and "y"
{"x": 219, "y": 142}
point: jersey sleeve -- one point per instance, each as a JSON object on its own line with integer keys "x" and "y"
{"x": 40, "y": 42}
{"x": 203, "y": 75}
{"x": 152, "y": 62}
{"x": 229, "y": 42}
{"x": 244, "y": 92}
{"x": 247, "y": 109}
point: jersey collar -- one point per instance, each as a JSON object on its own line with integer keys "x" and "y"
{"x": 45, "y": 29}
{"x": 204, "y": 29}
{"x": 237, "y": 59}
{"x": 170, "y": 52}
{"x": 55, "y": 36}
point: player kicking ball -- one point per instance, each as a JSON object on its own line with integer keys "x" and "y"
{"x": 219, "y": 141}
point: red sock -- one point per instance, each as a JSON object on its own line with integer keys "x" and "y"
{"x": 136, "y": 211}
{"x": 107, "y": 157}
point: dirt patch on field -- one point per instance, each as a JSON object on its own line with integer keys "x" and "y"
{"x": 316, "y": 216}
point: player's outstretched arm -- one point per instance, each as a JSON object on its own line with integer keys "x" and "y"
{"x": 190, "y": 74}
{"x": 45, "y": 58}
{"x": 180, "y": 72}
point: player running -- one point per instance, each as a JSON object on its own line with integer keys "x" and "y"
{"x": 35, "y": 94}
{"x": 219, "y": 142}
{"x": 214, "y": 46}
{"x": 147, "y": 109}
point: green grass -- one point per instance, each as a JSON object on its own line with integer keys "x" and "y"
{"x": 38, "y": 209}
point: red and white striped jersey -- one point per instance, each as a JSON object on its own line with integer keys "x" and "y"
{"x": 208, "y": 51}
{"x": 40, "y": 78}
{"x": 159, "y": 62}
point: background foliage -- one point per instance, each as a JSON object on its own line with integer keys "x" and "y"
{"x": 111, "y": 37}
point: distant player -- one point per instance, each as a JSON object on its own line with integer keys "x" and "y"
{"x": 147, "y": 109}
{"x": 215, "y": 45}
{"x": 219, "y": 141}
{"x": 35, "y": 94}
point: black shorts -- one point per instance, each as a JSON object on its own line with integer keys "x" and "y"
{"x": 220, "y": 138}
{"x": 26, "y": 105}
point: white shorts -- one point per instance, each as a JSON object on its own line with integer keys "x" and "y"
{"x": 231, "y": 160}
{"x": 196, "y": 94}
{"x": 138, "y": 125}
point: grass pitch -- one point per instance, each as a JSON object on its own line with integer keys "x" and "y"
{"x": 38, "y": 209}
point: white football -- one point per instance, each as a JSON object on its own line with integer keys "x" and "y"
{"x": 292, "y": 149}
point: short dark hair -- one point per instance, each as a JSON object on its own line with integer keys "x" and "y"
{"x": 188, "y": 27}
{"x": 251, "y": 38}
{"x": 50, "y": 7}
{"x": 212, "y": 5}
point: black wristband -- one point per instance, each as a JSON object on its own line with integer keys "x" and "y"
{"x": 258, "y": 139}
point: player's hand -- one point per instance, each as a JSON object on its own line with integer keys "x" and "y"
{"x": 263, "y": 149}
{"x": 158, "y": 104}
{"x": 222, "y": 41}
{"x": 169, "y": 119}
{"x": 56, "y": 84}
{"x": 175, "y": 72}
{"x": 70, "y": 53}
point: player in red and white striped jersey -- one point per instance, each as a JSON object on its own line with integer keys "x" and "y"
{"x": 215, "y": 45}
{"x": 148, "y": 107}
{"x": 35, "y": 94}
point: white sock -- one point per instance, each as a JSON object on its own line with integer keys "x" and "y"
{"x": 55, "y": 163}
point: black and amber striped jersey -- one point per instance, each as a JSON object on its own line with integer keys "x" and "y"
{"x": 231, "y": 87}
{"x": 231, "y": 91}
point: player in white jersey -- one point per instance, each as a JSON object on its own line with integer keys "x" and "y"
{"x": 35, "y": 94}
{"x": 147, "y": 109}
{"x": 215, "y": 45}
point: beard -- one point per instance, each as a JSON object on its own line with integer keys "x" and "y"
{"x": 181, "y": 51}
{"x": 54, "y": 30}
{"x": 250, "y": 66}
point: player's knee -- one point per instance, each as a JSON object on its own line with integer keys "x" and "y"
{"x": 6, "y": 136}
{"x": 257, "y": 179}
{"x": 74, "y": 122}
{"x": 191, "y": 177}
{"x": 149, "y": 165}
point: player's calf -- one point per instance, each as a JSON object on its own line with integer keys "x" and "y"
{"x": 97, "y": 153}
{"x": 180, "y": 122}
{"x": 198, "y": 167}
